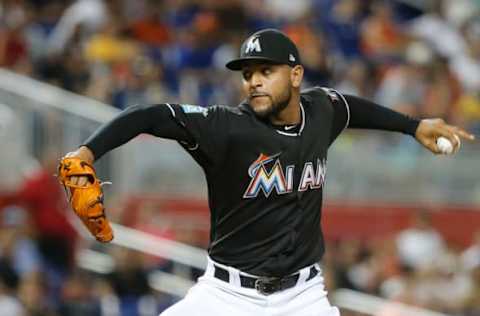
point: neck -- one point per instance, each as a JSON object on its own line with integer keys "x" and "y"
{"x": 290, "y": 115}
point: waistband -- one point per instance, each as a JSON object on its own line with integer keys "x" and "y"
{"x": 263, "y": 285}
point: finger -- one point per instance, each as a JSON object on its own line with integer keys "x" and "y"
{"x": 82, "y": 181}
{"x": 456, "y": 149}
{"x": 74, "y": 180}
{"x": 464, "y": 134}
{"x": 460, "y": 132}
{"x": 432, "y": 146}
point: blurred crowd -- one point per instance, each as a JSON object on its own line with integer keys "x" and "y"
{"x": 420, "y": 57}
{"x": 415, "y": 266}
{"x": 46, "y": 269}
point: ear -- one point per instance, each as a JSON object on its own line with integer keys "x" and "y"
{"x": 296, "y": 76}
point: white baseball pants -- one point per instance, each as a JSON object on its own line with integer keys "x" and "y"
{"x": 211, "y": 296}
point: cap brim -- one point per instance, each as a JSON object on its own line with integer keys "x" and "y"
{"x": 237, "y": 64}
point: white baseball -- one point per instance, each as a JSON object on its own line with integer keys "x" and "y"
{"x": 445, "y": 146}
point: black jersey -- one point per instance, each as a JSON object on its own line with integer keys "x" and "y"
{"x": 265, "y": 183}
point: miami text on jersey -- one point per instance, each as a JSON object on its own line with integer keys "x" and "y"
{"x": 267, "y": 174}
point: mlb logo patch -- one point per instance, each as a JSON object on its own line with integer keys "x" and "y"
{"x": 188, "y": 108}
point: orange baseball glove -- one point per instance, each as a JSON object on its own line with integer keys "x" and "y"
{"x": 86, "y": 201}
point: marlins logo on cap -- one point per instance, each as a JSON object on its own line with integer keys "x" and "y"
{"x": 269, "y": 45}
{"x": 253, "y": 44}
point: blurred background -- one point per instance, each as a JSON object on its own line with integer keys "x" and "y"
{"x": 402, "y": 225}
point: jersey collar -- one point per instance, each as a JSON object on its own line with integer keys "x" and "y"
{"x": 244, "y": 106}
{"x": 302, "y": 124}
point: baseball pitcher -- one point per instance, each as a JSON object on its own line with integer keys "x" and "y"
{"x": 265, "y": 163}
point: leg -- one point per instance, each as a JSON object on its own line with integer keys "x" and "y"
{"x": 206, "y": 299}
{"x": 309, "y": 299}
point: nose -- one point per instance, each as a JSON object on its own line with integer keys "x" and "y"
{"x": 256, "y": 80}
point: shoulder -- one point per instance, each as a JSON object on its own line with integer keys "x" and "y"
{"x": 242, "y": 110}
{"x": 225, "y": 110}
{"x": 318, "y": 98}
{"x": 322, "y": 92}
{"x": 313, "y": 92}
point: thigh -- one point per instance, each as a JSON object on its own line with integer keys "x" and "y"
{"x": 317, "y": 304}
{"x": 320, "y": 307}
{"x": 205, "y": 299}
{"x": 322, "y": 311}
{"x": 312, "y": 301}
{"x": 194, "y": 303}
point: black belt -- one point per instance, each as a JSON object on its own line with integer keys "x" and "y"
{"x": 265, "y": 285}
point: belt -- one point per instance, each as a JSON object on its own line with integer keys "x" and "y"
{"x": 264, "y": 285}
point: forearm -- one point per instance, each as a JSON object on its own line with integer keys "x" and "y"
{"x": 369, "y": 115}
{"x": 152, "y": 119}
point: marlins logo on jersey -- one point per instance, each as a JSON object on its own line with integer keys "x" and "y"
{"x": 267, "y": 174}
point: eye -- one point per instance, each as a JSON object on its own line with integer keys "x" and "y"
{"x": 266, "y": 71}
{"x": 246, "y": 75}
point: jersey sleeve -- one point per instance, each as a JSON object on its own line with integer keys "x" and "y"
{"x": 355, "y": 112}
{"x": 206, "y": 129}
{"x": 369, "y": 115}
{"x": 201, "y": 131}
{"x": 135, "y": 120}
{"x": 341, "y": 112}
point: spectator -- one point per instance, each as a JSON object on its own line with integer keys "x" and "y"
{"x": 77, "y": 297}
{"x": 13, "y": 46}
{"x": 381, "y": 38}
{"x": 87, "y": 15}
{"x": 130, "y": 283}
{"x": 43, "y": 198}
{"x": 471, "y": 256}
{"x": 16, "y": 246}
{"x": 110, "y": 45}
{"x": 343, "y": 28}
{"x": 467, "y": 66}
{"x": 420, "y": 245}
{"x": 314, "y": 56}
{"x": 9, "y": 304}
{"x": 108, "y": 301}
{"x": 33, "y": 294}
{"x": 44, "y": 16}
{"x": 286, "y": 10}
{"x": 356, "y": 80}
{"x": 434, "y": 28}
{"x": 403, "y": 86}
{"x": 151, "y": 28}
{"x": 442, "y": 91}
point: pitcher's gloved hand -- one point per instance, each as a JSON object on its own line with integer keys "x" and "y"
{"x": 86, "y": 199}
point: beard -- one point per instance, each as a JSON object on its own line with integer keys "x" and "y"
{"x": 275, "y": 106}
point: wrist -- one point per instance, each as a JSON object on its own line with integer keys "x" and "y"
{"x": 84, "y": 153}
{"x": 413, "y": 127}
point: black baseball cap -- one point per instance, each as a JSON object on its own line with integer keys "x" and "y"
{"x": 269, "y": 45}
